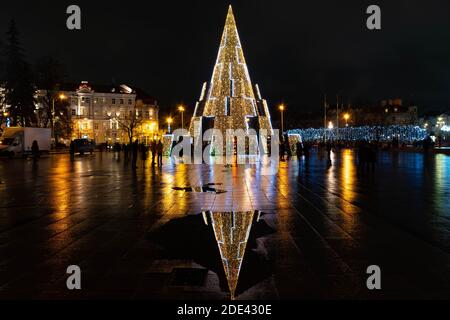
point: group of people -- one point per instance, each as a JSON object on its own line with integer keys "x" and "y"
{"x": 303, "y": 150}
{"x": 367, "y": 155}
{"x": 135, "y": 149}
{"x": 367, "y": 152}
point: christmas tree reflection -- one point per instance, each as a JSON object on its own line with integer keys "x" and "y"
{"x": 232, "y": 231}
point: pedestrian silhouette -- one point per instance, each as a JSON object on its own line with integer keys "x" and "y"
{"x": 329, "y": 148}
{"x": 135, "y": 148}
{"x": 35, "y": 150}
{"x": 306, "y": 152}
{"x": 282, "y": 150}
{"x": 72, "y": 150}
{"x": 160, "y": 153}
{"x": 126, "y": 153}
{"x": 299, "y": 151}
{"x": 153, "y": 149}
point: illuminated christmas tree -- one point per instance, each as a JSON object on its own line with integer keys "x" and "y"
{"x": 230, "y": 101}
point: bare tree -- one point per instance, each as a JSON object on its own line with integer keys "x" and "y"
{"x": 130, "y": 123}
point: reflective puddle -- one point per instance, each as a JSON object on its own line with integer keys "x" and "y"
{"x": 223, "y": 242}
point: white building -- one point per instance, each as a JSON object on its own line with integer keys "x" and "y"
{"x": 100, "y": 113}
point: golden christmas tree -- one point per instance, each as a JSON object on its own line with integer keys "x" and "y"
{"x": 230, "y": 101}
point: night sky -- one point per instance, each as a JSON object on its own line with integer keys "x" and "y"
{"x": 296, "y": 50}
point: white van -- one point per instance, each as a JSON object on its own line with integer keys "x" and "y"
{"x": 17, "y": 141}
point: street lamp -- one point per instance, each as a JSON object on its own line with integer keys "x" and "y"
{"x": 169, "y": 122}
{"x": 346, "y": 117}
{"x": 61, "y": 97}
{"x": 282, "y": 108}
{"x": 181, "y": 109}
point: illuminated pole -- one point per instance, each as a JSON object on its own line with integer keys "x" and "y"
{"x": 61, "y": 97}
{"x": 181, "y": 109}
{"x": 346, "y": 117}
{"x": 169, "y": 121}
{"x": 281, "y": 108}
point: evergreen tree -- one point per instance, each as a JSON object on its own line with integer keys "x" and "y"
{"x": 49, "y": 75}
{"x": 19, "y": 88}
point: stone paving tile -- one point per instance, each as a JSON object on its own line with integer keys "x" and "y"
{"x": 330, "y": 225}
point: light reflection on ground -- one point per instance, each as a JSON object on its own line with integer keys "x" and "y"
{"x": 330, "y": 224}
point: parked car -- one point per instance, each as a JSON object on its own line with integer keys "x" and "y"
{"x": 60, "y": 146}
{"x": 83, "y": 146}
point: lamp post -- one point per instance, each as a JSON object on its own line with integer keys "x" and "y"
{"x": 61, "y": 97}
{"x": 169, "y": 122}
{"x": 181, "y": 109}
{"x": 346, "y": 117}
{"x": 282, "y": 108}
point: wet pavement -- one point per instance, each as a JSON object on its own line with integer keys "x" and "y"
{"x": 308, "y": 232}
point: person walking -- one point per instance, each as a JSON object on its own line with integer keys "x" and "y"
{"x": 153, "y": 149}
{"x": 299, "y": 151}
{"x": 282, "y": 150}
{"x": 329, "y": 147}
{"x": 143, "y": 153}
{"x": 35, "y": 150}
{"x": 306, "y": 152}
{"x": 135, "y": 148}
{"x": 160, "y": 153}
{"x": 72, "y": 150}
{"x": 126, "y": 153}
{"x": 287, "y": 147}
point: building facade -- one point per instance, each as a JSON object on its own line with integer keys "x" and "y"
{"x": 105, "y": 114}
{"x": 387, "y": 113}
